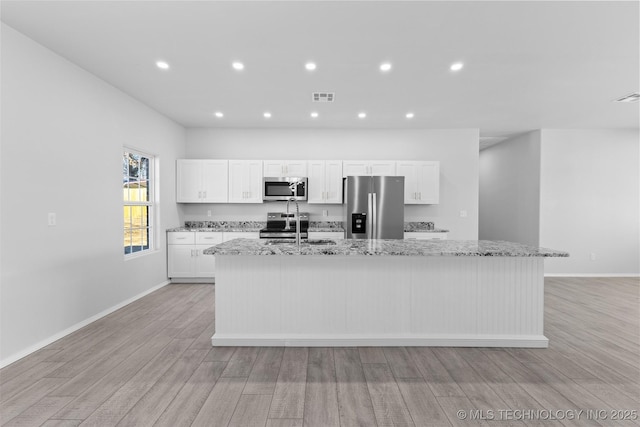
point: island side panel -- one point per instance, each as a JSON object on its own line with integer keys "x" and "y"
{"x": 379, "y": 300}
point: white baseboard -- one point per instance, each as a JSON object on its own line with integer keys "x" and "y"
{"x": 409, "y": 340}
{"x": 591, "y": 275}
{"x": 15, "y": 357}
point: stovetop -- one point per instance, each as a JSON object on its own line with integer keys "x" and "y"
{"x": 276, "y": 223}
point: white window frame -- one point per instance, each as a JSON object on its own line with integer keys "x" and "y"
{"x": 151, "y": 204}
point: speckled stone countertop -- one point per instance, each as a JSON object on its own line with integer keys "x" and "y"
{"x": 218, "y": 226}
{"x": 385, "y": 248}
{"x": 421, "y": 227}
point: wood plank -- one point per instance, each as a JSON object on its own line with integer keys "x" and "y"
{"x": 120, "y": 402}
{"x": 354, "y": 402}
{"x": 401, "y": 363}
{"x": 372, "y": 355}
{"x": 434, "y": 373}
{"x": 186, "y": 405}
{"x": 458, "y": 410}
{"x": 24, "y": 380}
{"x": 219, "y": 354}
{"x": 219, "y": 407}
{"x": 61, "y": 423}
{"x": 252, "y": 410}
{"x": 422, "y": 404}
{"x": 29, "y": 396}
{"x": 149, "y": 408}
{"x": 40, "y": 412}
{"x": 284, "y": 422}
{"x": 263, "y": 376}
{"x": 241, "y": 362}
{"x": 288, "y": 396}
{"x": 388, "y": 405}
{"x": 321, "y": 399}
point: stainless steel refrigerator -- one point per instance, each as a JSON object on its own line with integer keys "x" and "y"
{"x": 374, "y": 207}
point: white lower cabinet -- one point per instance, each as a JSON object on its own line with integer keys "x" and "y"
{"x": 185, "y": 257}
{"x": 417, "y": 235}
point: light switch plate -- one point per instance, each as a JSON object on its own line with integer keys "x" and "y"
{"x": 51, "y": 219}
{"x": 463, "y": 214}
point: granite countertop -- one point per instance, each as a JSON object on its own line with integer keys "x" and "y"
{"x": 385, "y": 248}
{"x": 217, "y": 226}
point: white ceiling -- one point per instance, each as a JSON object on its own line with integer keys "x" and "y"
{"x": 528, "y": 65}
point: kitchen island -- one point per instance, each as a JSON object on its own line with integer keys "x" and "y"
{"x": 379, "y": 293}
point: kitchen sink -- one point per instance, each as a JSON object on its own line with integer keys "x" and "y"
{"x": 320, "y": 242}
{"x": 304, "y": 241}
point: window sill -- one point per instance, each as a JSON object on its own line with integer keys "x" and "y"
{"x": 140, "y": 254}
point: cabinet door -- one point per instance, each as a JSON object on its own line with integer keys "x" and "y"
{"x": 180, "y": 260}
{"x": 205, "y": 265}
{"x": 316, "y": 183}
{"x": 355, "y": 168}
{"x": 428, "y": 177}
{"x": 295, "y": 168}
{"x": 333, "y": 181}
{"x": 188, "y": 181}
{"x": 245, "y": 181}
{"x": 273, "y": 168}
{"x": 215, "y": 181}
{"x": 409, "y": 170}
{"x": 253, "y": 180}
{"x": 384, "y": 168}
{"x": 236, "y": 181}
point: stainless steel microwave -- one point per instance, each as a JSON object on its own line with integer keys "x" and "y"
{"x": 284, "y": 188}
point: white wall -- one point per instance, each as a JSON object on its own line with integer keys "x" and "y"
{"x": 510, "y": 190}
{"x": 457, "y": 151}
{"x": 63, "y": 131}
{"x": 590, "y": 187}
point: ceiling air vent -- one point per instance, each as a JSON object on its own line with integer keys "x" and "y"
{"x": 323, "y": 96}
{"x": 632, "y": 97}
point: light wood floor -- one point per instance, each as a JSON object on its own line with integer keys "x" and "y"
{"x": 151, "y": 363}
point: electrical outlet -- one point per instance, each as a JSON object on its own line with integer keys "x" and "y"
{"x": 325, "y": 212}
{"x": 463, "y": 214}
{"x": 592, "y": 256}
{"x": 209, "y": 212}
{"x": 51, "y": 219}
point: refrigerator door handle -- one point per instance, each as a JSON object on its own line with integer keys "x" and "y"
{"x": 370, "y": 215}
{"x": 374, "y": 231}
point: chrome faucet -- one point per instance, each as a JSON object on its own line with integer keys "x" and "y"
{"x": 297, "y": 216}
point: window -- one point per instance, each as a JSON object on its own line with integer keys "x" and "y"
{"x": 137, "y": 182}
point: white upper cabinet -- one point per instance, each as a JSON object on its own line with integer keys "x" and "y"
{"x": 325, "y": 181}
{"x": 368, "y": 167}
{"x": 421, "y": 183}
{"x": 284, "y": 168}
{"x": 201, "y": 181}
{"x": 245, "y": 181}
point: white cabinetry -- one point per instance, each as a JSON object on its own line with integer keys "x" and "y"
{"x": 284, "y": 168}
{"x": 201, "y": 181}
{"x": 245, "y": 181}
{"x": 325, "y": 181}
{"x": 368, "y": 167}
{"x": 185, "y": 258}
{"x": 418, "y": 235}
{"x": 422, "y": 181}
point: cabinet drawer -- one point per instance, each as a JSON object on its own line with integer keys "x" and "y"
{"x": 181, "y": 238}
{"x": 208, "y": 238}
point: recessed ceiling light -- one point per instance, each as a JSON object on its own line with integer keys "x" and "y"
{"x": 238, "y": 66}
{"x": 409, "y": 115}
{"x": 362, "y": 115}
{"x": 219, "y": 115}
{"x": 310, "y": 66}
{"x": 456, "y": 66}
{"x": 267, "y": 115}
{"x": 314, "y": 114}
{"x": 385, "y": 66}
{"x": 162, "y": 65}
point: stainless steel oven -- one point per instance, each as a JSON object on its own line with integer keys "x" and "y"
{"x": 284, "y": 188}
